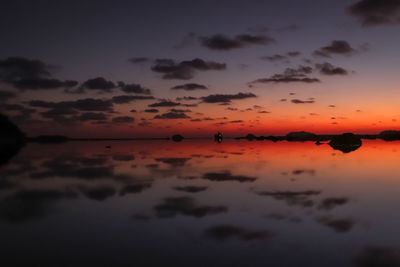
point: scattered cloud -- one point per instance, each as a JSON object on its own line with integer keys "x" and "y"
{"x": 376, "y": 12}
{"x": 190, "y": 87}
{"x": 134, "y": 88}
{"x": 123, "y": 119}
{"x": 126, "y": 99}
{"x": 290, "y": 75}
{"x": 221, "y": 42}
{"x": 337, "y": 47}
{"x": 220, "y": 98}
{"x": 184, "y": 70}
{"x": 328, "y": 69}
{"x": 165, "y": 103}
{"x": 172, "y": 115}
{"x": 227, "y": 176}
{"x": 227, "y": 231}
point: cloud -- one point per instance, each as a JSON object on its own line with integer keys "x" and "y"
{"x": 187, "y": 98}
{"x": 138, "y": 60}
{"x": 227, "y": 231}
{"x": 92, "y": 116}
{"x": 338, "y": 225}
{"x": 190, "y": 188}
{"x": 293, "y": 198}
{"x": 184, "y": 70}
{"x": 187, "y": 206}
{"x": 220, "y": 98}
{"x": 298, "y": 101}
{"x": 274, "y": 58}
{"x": 87, "y": 104}
{"x": 174, "y": 162}
{"x": 123, "y": 119}
{"x": 172, "y": 115}
{"x": 135, "y": 188}
{"x": 180, "y": 110}
{"x": 100, "y": 193}
{"x": 333, "y": 202}
{"x": 223, "y": 43}
{"x": 227, "y": 176}
{"x": 165, "y": 103}
{"x": 134, "y": 88}
{"x": 290, "y": 75}
{"x": 378, "y": 256}
{"x": 151, "y": 110}
{"x": 126, "y": 99}
{"x": 27, "y": 205}
{"x": 337, "y": 47}
{"x": 190, "y": 87}
{"x": 98, "y": 83}
{"x": 6, "y": 95}
{"x": 376, "y": 12}
{"x": 328, "y": 69}
{"x": 30, "y": 74}
{"x": 293, "y": 53}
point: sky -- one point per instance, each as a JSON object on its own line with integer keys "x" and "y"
{"x": 157, "y": 68}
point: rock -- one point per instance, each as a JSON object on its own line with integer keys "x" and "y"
{"x": 346, "y": 142}
{"x": 301, "y": 136}
{"x": 250, "y": 137}
{"x": 389, "y": 135}
{"x": 177, "y": 138}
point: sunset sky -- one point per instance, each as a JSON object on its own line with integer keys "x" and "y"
{"x": 155, "y": 68}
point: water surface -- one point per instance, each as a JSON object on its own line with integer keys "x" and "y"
{"x": 198, "y": 203}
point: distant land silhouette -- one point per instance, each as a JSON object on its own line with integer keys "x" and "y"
{"x": 11, "y": 139}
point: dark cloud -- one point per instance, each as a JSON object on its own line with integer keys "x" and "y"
{"x": 92, "y": 116}
{"x": 99, "y": 83}
{"x": 165, "y": 103}
{"x": 290, "y": 75}
{"x": 135, "y": 188}
{"x": 123, "y": 119}
{"x": 180, "y": 110}
{"x": 190, "y": 87}
{"x": 87, "y": 104}
{"x": 226, "y": 231}
{"x": 27, "y": 205}
{"x": 151, "y": 110}
{"x": 274, "y": 58}
{"x": 123, "y": 157}
{"x": 376, "y": 12}
{"x": 134, "y": 88}
{"x": 100, "y": 193}
{"x": 187, "y": 98}
{"x": 30, "y": 74}
{"x": 333, "y": 202}
{"x": 187, "y": 206}
{"x": 293, "y": 198}
{"x": 227, "y": 176}
{"x": 126, "y": 99}
{"x": 303, "y": 171}
{"x": 337, "y": 47}
{"x": 328, "y": 69}
{"x": 174, "y": 162}
{"x": 293, "y": 53}
{"x": 5, "y": 95}
{"x": 184, "y": 70}
{"x": 224, "y": 43}
{"x": 338, "y": 225}
{"x": 191, "y": 188}
{"x": 172, "y": 115}
{"x": 378, "y": 256}
{"x": 298, "y": 101}
{"x": 219, "y": 98}
{"x": 138, "y": 60}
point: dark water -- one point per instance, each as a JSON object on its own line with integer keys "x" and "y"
{"x": 199, "y": 203}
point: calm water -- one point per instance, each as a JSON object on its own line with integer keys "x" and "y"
{"x": 238, "y": 203}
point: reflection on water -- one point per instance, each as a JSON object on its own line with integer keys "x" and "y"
{"x": 199, "y": 203}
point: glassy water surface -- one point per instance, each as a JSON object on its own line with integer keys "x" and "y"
{"x": 198, "y": 203}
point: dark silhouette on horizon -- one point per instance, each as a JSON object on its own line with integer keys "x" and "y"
{"x": 346, "y": 142}
{"x": 11, "y": 139}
